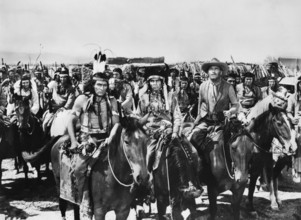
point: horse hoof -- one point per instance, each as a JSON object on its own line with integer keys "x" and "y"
{"x": 275, "y": 207}
{"x": 279, "y": 202}
{"x": 253, "y": 214}
{"x": 140, "y": 214}
{"x": 2, "y": 198}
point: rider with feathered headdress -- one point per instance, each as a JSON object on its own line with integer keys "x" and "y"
{"x": 164, "y": 119}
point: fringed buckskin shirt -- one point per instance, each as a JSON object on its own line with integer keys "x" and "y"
{"x": 161, "y": 113}
{"x": 98, "y": 118}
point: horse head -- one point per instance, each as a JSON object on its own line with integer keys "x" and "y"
{"x": 22, "y": 108}
{"x": 281, "y": 127}
{"x": 134, "y": 139}
{"x": 241, "y": 147}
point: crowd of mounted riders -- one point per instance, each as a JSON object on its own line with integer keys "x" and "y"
{"x": 93, "y": 101}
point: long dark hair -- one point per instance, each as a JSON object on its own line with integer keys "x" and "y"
{"x": 21, "y": 86}
{"x": 150, "y": 90}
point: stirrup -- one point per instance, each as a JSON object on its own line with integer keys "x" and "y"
{"x": 191, "y": 191}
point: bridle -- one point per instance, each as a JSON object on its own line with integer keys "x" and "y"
{"x": 115, "y": 177}
{"x": 28, "y": 122}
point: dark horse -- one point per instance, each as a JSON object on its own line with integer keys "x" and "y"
{"x": 114, "y": 180}
{"x": 8, "y": 144}
{"x": 30, "y": 134}
{"x": 225, "y": 158}
{"x": 272, "y": 123}
{"x": 166, "y": 177}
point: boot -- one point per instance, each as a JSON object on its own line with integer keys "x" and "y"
{"x": 188, "y": 190}
{"x": 191, "y": 191}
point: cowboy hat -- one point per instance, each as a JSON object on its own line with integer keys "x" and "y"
{"x": 215, "y": 62}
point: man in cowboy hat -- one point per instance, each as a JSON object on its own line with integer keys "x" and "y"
{"x": 248, "y": 95}
{"x": 217, "y": 100}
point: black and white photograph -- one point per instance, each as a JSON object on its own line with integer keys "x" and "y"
{"x": 150, "y": 110}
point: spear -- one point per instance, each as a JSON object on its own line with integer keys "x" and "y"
{"x": 236, "y": 67}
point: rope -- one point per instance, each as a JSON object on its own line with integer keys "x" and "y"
{"x": 110, "y": 165}
{"x": 227, "y": 168}
{"x": 168, "y": 184}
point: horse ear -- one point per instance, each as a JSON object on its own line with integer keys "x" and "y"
{"x": 272, "y": 109}
{"x": 143, "y": 121}
{"x": 124, "y": 122}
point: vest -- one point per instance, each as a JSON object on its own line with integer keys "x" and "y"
{"x": 97, "y": 118}
{"x": 222, "y": 103}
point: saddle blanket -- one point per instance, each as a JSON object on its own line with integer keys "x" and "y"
{"x": 74, "y": 179}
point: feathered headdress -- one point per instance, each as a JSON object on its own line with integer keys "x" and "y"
{"x": 99, "y": 62}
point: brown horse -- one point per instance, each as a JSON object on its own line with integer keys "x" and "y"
{"x": 30, "y": 134}
{"x": 272, "y": 123}
{"x": 113, "y": 181}
{"x": 225, "y": 166}
{"x": 176, "y": 162}
{"x": 8, "y": 145}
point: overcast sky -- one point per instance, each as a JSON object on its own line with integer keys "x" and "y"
{"x": 249, "y": 30}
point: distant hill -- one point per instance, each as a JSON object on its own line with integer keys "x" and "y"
{"x": 46, "y": 58}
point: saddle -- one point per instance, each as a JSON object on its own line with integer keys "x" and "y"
{"x": 163, "y": 142}
{"x": 76, "y": 167}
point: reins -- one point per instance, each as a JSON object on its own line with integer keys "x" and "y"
{"x": 115, "y": 177}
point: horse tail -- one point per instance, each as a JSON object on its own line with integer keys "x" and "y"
{"x": 42, "y": 154}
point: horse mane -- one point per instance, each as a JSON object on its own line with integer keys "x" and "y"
{"x": 260, "y": 108}
{"x": 131, "y": 124}
{"x": 177, "y": 158}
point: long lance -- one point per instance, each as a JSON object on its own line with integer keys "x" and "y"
{"x": 236, "y": 67}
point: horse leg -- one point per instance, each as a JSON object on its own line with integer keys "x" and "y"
{"x": 236, "y": 200}
{"x": 212, "y": 194}
{"x": 63, "y": 208}
{"x": 17, "y": 165}
{"x": 47, "y": 168}
{"x": 0, "y": 173}
{"x": 2, "y": 196}
{"x": 100, "y": 213}
{"x": 38, "y": 168}
{"x": 76, "y": 211}
{"x": 176, "y": 211}
{"x": 161, "y": 206}
{"x": 280, "y": 164}
{"x": 25, "y": 168}
{"x": 191, "y": 205}
{"x": 270, "y": 178}
{"x": 255, "y": 172}
{"x": 122, "y": 214}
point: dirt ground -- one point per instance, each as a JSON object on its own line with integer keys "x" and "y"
{"x": 35, "y": 200}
